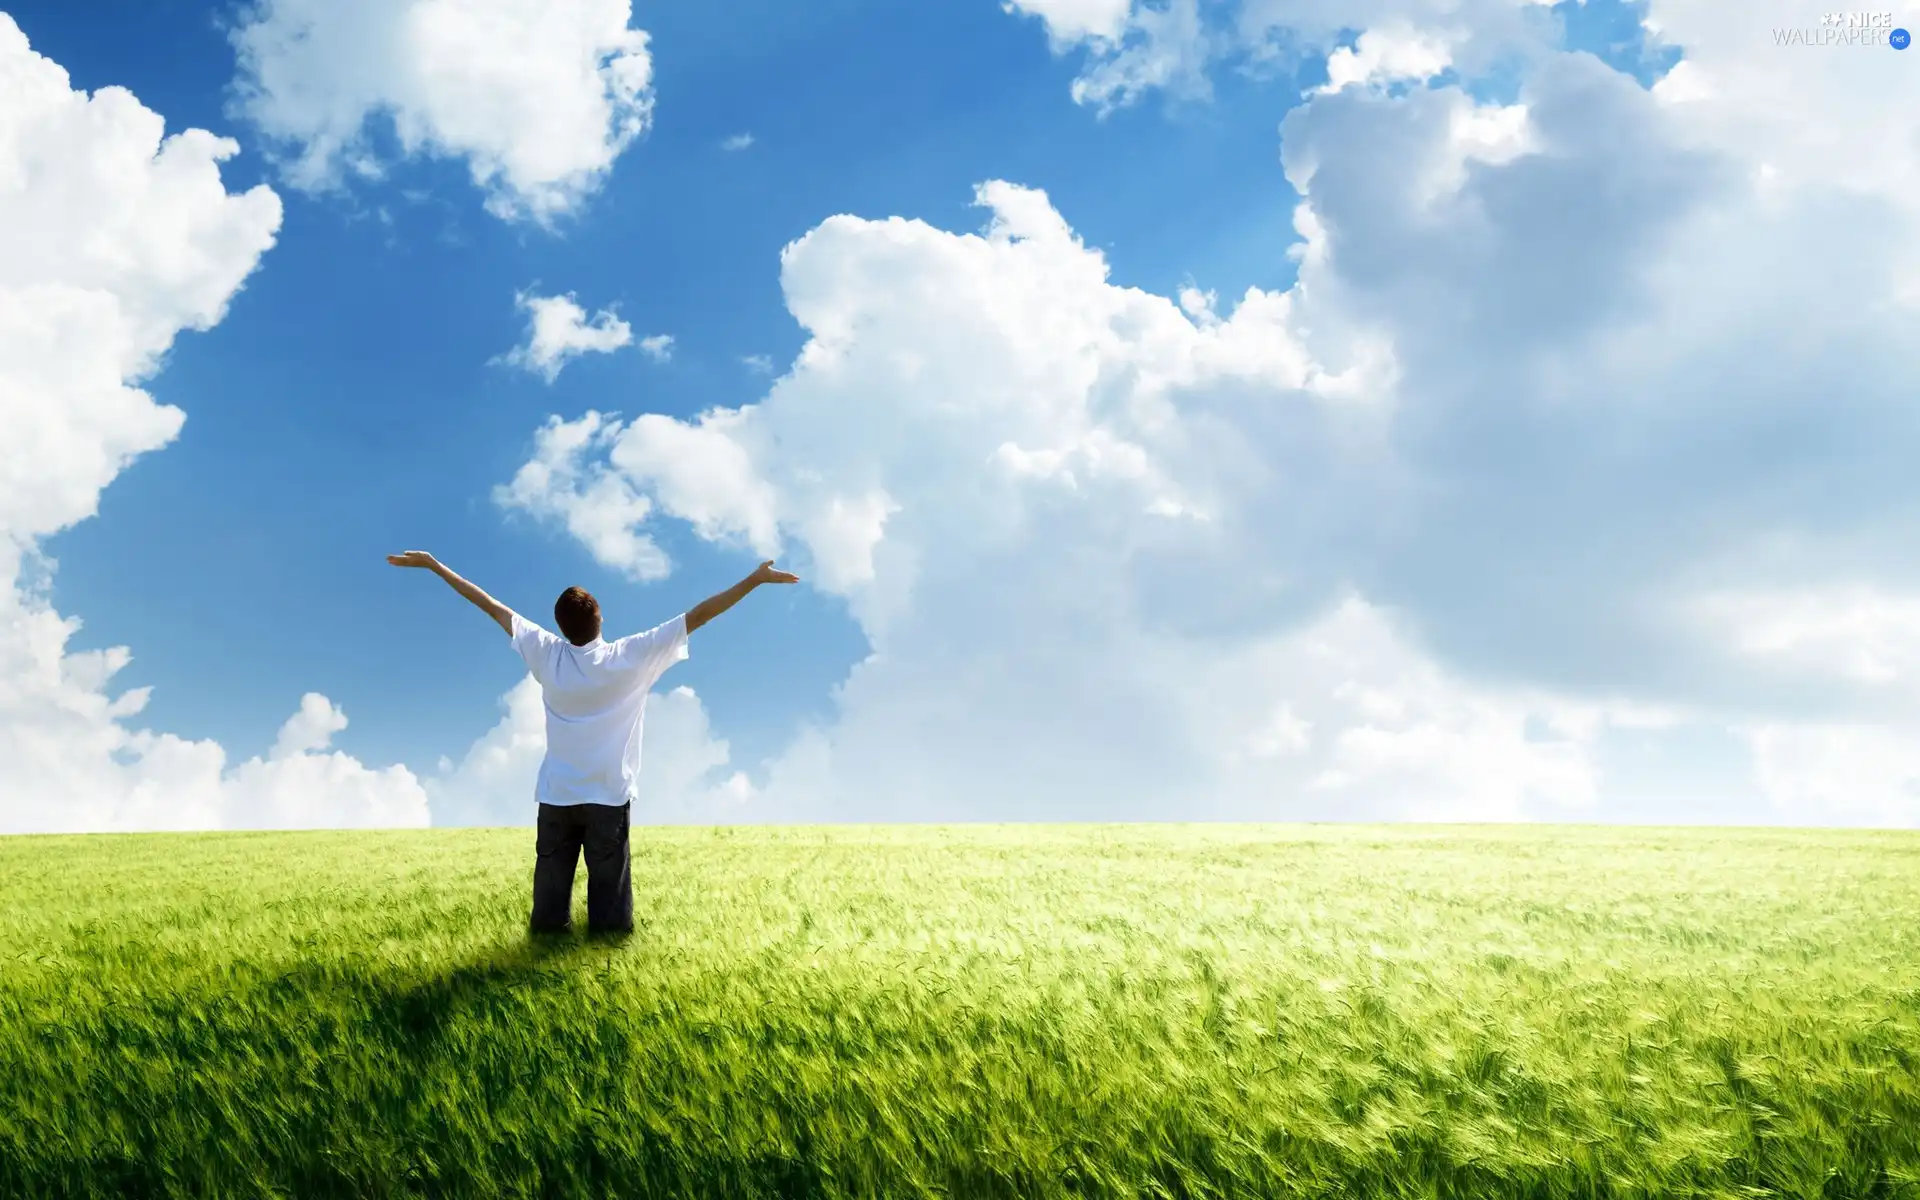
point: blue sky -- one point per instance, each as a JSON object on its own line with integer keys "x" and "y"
{"x": 1578, "y": 601}
{"x": 347, "y": 402}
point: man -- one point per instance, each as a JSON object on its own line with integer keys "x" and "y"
{"x": 595, "y": 694}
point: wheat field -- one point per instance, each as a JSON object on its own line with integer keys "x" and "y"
{"x": 969, "y": 1011}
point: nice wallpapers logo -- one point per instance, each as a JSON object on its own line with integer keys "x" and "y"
{"x": 1845, "y": 29}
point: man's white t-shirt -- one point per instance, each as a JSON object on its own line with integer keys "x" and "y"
{"x": 596, "y": 701}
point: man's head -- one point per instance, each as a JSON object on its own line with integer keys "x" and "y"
{"x": 578, "y": 615}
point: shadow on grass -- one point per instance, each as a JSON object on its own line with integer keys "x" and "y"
{"x": 412, "y": 1007}
{"x": 493, "y": 1075}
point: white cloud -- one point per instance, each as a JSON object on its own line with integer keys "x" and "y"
{"x": 842, "y": 535}
{"x": 1824, "y": 773}
{"x": 695, "y": 471}
{"x": 538, "y": 96}
{"x": 70, "y": 761}
{"x": 301, "y": 785}
{"x": 738, "y": 142}
{"x": 1022, "y": 479}
{"x": 113, "y": 239}
{"x": 1417, "y": 742}
{"x": 1537, "y": 451}
{"x": 1406, "y": 540}
{"x": 684, "y": 776}
{"x": 1857, "y": 634}
{"x": 311, "y": 728}
{"x": 558, "y": 331}
{"x": 593, "y": 503}
{"x": 1537, "y": 404}
{"x": 1386, "y": 55}
{"x": 1164, "y": 48}
{"x": 759, "y": 364}
{"x": 1829, "y": 119}
{"x": 1134, "y": 47}
{"x": 1131, "y": 48}
{"x": 1071, "y": 21}
{"x": 493, "y": 784}
{"x": 1661, "y": 468}
{"x": 699, "y": 473}
{"x": 1630, "y": 370}
{"x": 659, "y": 347}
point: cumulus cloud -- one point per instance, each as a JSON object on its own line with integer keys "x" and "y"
{"x": 594, "y": 503}
{"x": 558, "y": 331}
{"x": 1386, "y": 55}
{"x": 309, "y": 729}
{"x": 1132, "y": 48}
{"x": 538, "y": 96}
{"x": 72, "y": 761}
{"x": 303, "y": 785}
{"x": 1660, "y": 470}
{"x": 1003, "y": 463}
{"x": 1832, "y": 772}
{"x": 1833, "y": 120}
{"x": 493, "y": 782}
{"x": 1622, "y": 416}
{"x": 1853, "y": 634}
{"x": 659, "y": 347}
{"x": 113, "y": 239}
{"x": 1537, "y": 474}
{"x": 687, "y": 773}
{"x": 738, "y": 142}
{"x": 1538, "y": 495}
{"x": 1071, "y": 21}
{"x": 695, "y": 471}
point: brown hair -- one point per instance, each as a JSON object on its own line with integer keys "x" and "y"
{"x": 578, "y": 615}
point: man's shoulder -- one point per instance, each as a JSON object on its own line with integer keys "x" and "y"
{"x": 663, "y": 632}
{"x": 531, "y": 630}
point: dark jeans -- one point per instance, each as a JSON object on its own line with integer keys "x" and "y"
{"x": 562, "y": 831}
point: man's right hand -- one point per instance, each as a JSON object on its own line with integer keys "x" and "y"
{"x": 412, "y": 558}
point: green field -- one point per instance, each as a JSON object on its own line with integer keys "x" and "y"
{"x": 1018, "y": 1011}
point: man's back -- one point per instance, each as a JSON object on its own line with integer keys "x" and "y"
{"x": 595, "y": 697}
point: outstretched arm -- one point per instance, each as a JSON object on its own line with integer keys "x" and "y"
{"x": 720, "y": 602}
{"x": 485, "y": 603}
